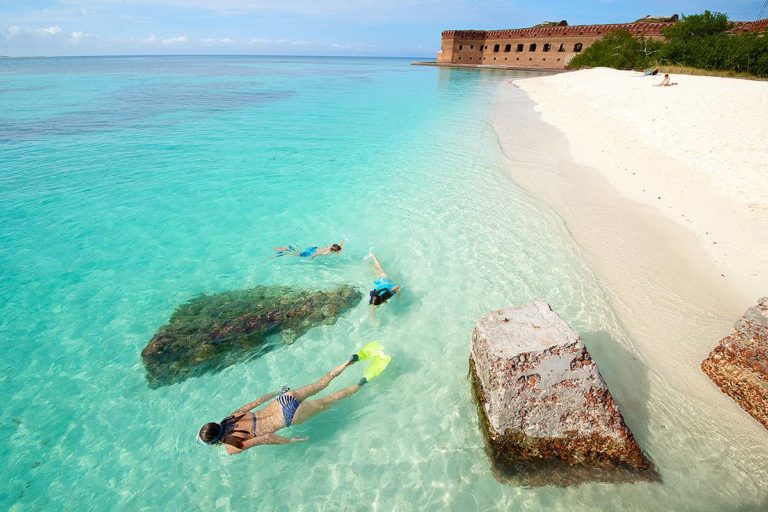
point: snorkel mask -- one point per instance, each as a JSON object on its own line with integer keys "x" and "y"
{"x": 382, "y": 296}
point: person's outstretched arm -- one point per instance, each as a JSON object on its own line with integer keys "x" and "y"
{"x": 276, "y": 439}
{"x": 264, "y": 439}
{"x": 250, "y": 405}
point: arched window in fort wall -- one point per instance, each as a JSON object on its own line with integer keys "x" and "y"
{"x": 508, "y": 48}
{"x": 577, "y": 47}
{"x": 562, "y": 47}
{"x": 547, "y": 47}
{"x": 495, "y": 48}
{"x": 520, "y": 47}
{"x": 532, "y": 48}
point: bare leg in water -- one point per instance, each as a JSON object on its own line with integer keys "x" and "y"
{"x": 377, "y": 266}
{"x": 309, "y": 408}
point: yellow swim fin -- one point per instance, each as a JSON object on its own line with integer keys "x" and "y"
{"x": 369, "y": 350}
{"x": 378, "y": 363}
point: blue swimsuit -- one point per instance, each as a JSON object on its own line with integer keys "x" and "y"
{"x": 383, "y": 283}
{"x": 308, "y": 253}
{"x": 289, "y": 404}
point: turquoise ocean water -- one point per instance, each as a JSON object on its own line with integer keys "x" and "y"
{"x": 128, "y": 185}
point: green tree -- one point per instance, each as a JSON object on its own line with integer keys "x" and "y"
{"x": 700, "y": 41}
{"x": 697, "y": 25}
{"x": 755, "y": 46}
{"x": 618, "y": 49}
{"x": 703, "y": 41}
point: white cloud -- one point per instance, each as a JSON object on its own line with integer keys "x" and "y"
{"x": 78, "y": 35}
{"x": 14, "y": 32}
{"x": 29, "y": 38}
{"x": 213, "y": 40}
{"x": 175, "y": 40}
{"x": 49, "y": 30}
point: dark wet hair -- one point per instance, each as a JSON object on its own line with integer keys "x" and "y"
{"x": 335, "y": 248}
{"x": 210, "y": 432}
{"x": 215, "y": 433}
{"x": 379, "y": 297}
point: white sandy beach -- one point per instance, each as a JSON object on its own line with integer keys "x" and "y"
{"x": 697, "y": 152}
{"x": 665, "y": 190}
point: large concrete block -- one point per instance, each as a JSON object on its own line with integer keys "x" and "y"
{"x": 739, "y": 363}
{"x": 546, "y": 411}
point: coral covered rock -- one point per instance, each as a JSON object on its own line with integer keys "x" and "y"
{"x": 739, "y": 363}
{"x": 547, "y": 413}
{"x": 211, "y": 332}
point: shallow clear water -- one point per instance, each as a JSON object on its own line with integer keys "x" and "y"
{"x": 128, "y": 185}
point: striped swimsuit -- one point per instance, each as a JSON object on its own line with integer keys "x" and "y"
{"x": 289, "y": 404}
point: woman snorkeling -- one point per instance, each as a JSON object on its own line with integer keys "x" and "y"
{"x": 310, "y": 252}
{"x": 383, "y": 287}
{"x": 245, "y": 429}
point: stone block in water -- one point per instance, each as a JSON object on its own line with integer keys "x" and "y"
{"x": 739, "y": 363}
{"x": 211, "y": 332}
{"x": 547, "y": 414}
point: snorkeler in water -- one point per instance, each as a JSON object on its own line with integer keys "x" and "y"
{"x": 310, "y": 252}
{"x": 383, "y": 287}
{"x": 245, "y": 429}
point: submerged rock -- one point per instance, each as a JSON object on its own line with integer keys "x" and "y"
{"x": 211, "y": 332}
{"x": 547, "y": 414}
{"x": 739, "y": 363}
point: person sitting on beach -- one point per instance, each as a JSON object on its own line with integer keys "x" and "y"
{"x": 383, "y": 287}
{"x": 665, "y": 82}
{"x": 245, "y": 429}
{"x": 310, "y": 252}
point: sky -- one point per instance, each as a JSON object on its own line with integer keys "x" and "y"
{"x": 407, "y": 28}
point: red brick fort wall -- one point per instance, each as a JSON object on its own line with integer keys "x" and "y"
{"x": 545, "y": 47}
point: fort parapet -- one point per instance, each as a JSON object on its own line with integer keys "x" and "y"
{"x": 548, "y": 46}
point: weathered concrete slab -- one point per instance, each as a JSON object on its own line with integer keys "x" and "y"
{"x": 547, "y": 413}
{"x": 739, "y": 363}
